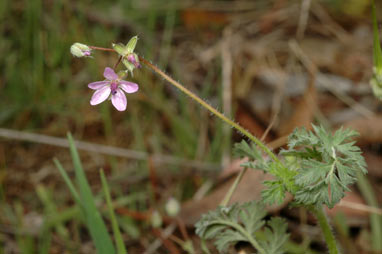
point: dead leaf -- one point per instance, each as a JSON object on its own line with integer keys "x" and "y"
{"x": 348, "y": 211}
{"x": 370, "y": 129}
{"x": 303, "y": 114}
{"x": 374, "y": 164}
{"x": 248, "y": 189}
{"x": 246, "y": 120}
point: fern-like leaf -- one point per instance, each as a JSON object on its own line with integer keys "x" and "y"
{"x": 329, "y": 163}
{"x": 229, "y": 225}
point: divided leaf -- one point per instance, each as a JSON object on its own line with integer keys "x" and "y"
{"x": 230, "y": 225}
{"x": 284, "y": 176}
{"x": 275, "y": 236}
{"x": 329, "y": 163}
{"x": 255, "y": 158}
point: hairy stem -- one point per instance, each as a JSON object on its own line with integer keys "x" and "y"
{"x": 326, "y": 229}
{"x": 102, "y": 49}
{"x": 210, "y": 108}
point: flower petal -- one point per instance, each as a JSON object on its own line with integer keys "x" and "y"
{"x": 110, "y": 74}
{"x": 128, "y": 87}
{"x": 100, "y": 95}
{"x": 98, "y": 84}
{"x": 119, "y": 100}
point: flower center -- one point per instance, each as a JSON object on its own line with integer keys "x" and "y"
{"x": 114, "y": 87}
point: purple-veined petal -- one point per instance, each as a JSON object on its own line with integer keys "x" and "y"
{"x": 98, "y": 84}
{"x": 100, "y": 95}
{"x": 119, "y": 100}
{"x": 110, "y": 74}
{"x": 128, "y": 87}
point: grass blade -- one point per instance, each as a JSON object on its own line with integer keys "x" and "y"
{"x": 377, "y": 52}
{"x": 117, "y": 233}
{"x": 68, "y": 182}
{"x": 95, "y": 224}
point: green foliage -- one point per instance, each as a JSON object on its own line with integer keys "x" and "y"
{"x": 275, "y": 236}
{"x": 85, "y": 200}
{"x": 256, "y": 160}
{"x": 317, "y": 168}
{"x": 284, "y": 176}
{"x": 230, "y": 225}
{"x": 328, "y": 164}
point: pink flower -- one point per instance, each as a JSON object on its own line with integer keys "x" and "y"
{"x": 112, "y": 85}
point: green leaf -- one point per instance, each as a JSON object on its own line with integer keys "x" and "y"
{"x": 243, "y": 149}
{"x": 328, "y": 164}
{"x": 275, "y": 236}
{"x": 229, "y": 225}
{"x": 274, "y": 193}
{"x": 251, "y": 215}
{"x": 226, "y": 238}
{"x": 256, "y": 160}
{"x": 284, "y": 175}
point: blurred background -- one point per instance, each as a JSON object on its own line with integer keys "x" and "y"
{"x": 279, "y": 64}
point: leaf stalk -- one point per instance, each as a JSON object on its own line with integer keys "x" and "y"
{"x": 326, "y": 229}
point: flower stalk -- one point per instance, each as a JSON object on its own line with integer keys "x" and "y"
{"x": 210, "y": 108}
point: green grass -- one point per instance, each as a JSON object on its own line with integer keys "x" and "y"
{"x": 85, "y": 200}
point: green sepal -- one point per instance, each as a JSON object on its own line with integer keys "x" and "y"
{"x": 130, "y": 46}
{"x": 129, "y": 66}
{"x": 120, "y": 48}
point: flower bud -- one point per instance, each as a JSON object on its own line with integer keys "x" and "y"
{"x": 80, "y": 50}
{"x": 133, "y": 58}
{"x": 172, "y": 207}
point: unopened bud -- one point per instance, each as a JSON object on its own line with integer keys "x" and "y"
{"x": 133, "y": 58}
{"x": 80, "y": 50}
